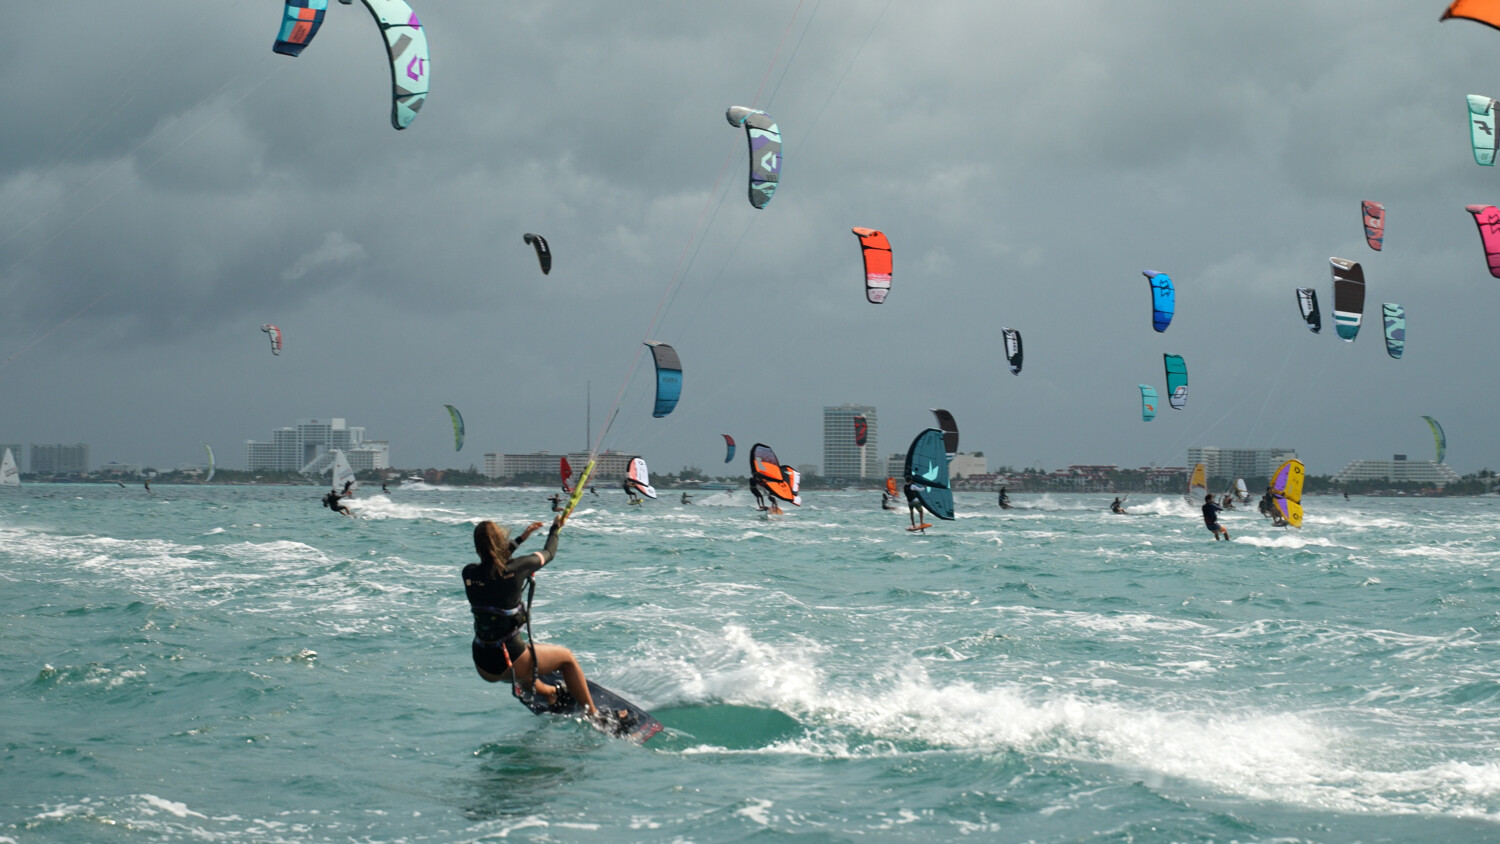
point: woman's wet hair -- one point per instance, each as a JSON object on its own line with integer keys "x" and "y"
{"x": 492, "y": 544}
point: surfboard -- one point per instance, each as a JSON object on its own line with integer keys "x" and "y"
{"x": 922, "y": 526}
{"x": 637, "y": 726}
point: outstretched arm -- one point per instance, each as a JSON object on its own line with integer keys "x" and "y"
{"x": 525, "y": 535}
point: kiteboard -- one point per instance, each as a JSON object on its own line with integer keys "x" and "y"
{"x": 623, "y": 720}
{"x": 922, "y": 526}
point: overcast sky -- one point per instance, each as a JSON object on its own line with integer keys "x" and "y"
{"x": 167, "y": 184}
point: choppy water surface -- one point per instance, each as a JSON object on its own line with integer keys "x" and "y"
{"x": 239, "y": 664}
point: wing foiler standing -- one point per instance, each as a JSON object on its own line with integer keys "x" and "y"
{"x": 779, "y": 481}
{"x": 926, "y": 476}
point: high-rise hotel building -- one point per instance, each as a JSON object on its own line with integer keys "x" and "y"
{"x": 842, "y": 459}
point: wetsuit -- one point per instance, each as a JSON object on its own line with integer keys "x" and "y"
{"x": 760, "y": 500}
{"x": 1211, "y": 516}
{"x": 498, "y": 606}
{"x": 913, "y": 504}
{"x": 1116, "y": 507}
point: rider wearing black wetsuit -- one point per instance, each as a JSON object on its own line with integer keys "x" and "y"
{"x": 495, "y": 599}
{"x": 1211, "y": 519}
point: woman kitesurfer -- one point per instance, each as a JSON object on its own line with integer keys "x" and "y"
{"x": 502, "y": 653}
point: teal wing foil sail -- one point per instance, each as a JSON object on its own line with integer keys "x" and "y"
{"x": 927, "y": 473}
{"x": 300, "y": 21}
{"x": 1438, "y": 438}
{"x": 210, "y": 449}
{"x": 406, "y": 46}
{"x": 1482, "y": 129}
{"x": 668, "y": 378}
{"x": 1163, "y": 299}
{"x": 1149, "y": 400}
{"x": 1177, "y": 381}
{"x": 458, "y": 427}
{"x": 1348, "y": 297}
{"x": 765, "y": 151}
{"x": 1395, "y": 329}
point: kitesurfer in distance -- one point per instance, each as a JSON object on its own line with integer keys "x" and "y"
{"x": 1118, "y": 506}
{"x": 1227, "y": 502}
{"x": 385, "y": 489}
{"x": 148, "y": 487}
{"x": 331, "y": 501}
{"x": 348, "y": 489}
{"x": 886, "y": 501}
{"x": 687, "y": 499}
{"x": 1004, "y": 501}
{"x": 556, "y": 500}
{"x": 593, "y": 491}
{"x": 1211, "y": 518}
{"x": 502, "y": 651}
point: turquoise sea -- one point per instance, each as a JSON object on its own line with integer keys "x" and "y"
{"x": 226, "y": 664}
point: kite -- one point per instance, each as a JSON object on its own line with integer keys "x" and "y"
{"x": 1438, "y": 438}
{"x": 668, "y": 378}
{"x": 405, "y": 45}
{"x": 1307, "y": 301}
{"x": 861, "y": 431}
{"x": 543, "y": 254}
{"x": 765, "y": 151}
{"x": 1163, "y": 299}
{"x": 275, "y": 334}
{"x": 1012, "y": 349}
{"x": 1177, "y": 381}
{"x": 1486, "y": 12}
{"x": 1348, "y": 297}
{"x": 1482, "y": 129}
{"x": 1395, "y": 329}
{"x": 458, "y": 427}
{"x": 877, "y": 252}
{"x": 1487, "y": 218}
{"x": 1148, "y": 402}
{"x": 728, "y": 447}
{"x": 1374, "y": 215}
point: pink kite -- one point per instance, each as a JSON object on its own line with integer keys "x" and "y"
{"x": 1488, "y": 220}
{"x": 1374, "y": 214}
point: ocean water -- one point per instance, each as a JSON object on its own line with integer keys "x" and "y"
{"x": 227, "y": 664}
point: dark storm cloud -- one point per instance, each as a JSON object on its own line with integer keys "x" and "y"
{"x": 1027, "y": 161}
